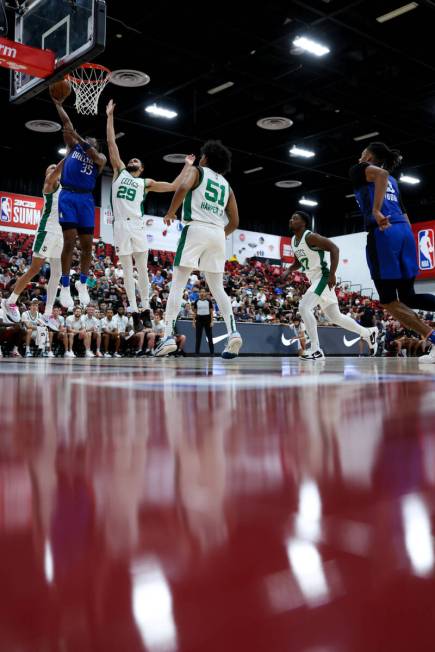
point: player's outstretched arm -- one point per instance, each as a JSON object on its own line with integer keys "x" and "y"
{"x": 190, "y": 180}
{"x": 164, "y": 186}
{"x": 68, "y": 129}
{"x": 52, "y": 180}
{"x": 379, "y": 177}
{"x": 115, "y": 158}
{"x": 233, "y": 215}
{"x": 315, "y": 240}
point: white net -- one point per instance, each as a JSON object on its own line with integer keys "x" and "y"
{"x": 88, "y": 82}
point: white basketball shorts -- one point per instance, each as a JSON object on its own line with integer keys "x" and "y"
{"x": 201, "y": 246}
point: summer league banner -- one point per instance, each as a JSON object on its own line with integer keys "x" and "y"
{"x": 269, "y": 339}
{"x": 21, "y": 213}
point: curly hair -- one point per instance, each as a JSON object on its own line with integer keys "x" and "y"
{"x": 218, "y": 156}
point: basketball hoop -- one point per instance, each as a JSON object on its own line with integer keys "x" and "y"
{"x": 88, "y": 82}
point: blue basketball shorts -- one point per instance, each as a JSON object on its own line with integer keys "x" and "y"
{"x": 392, "y": 254}
{"x": 76, "y": 210}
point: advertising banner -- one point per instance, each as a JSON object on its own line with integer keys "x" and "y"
{"x": 21, "y": 213}
{"x": 247, "y": 244}
{"x": 271, "y": 339}
{"x": 425, "y": 243}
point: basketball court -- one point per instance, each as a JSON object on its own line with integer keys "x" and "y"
{"x": 195, "y": 504}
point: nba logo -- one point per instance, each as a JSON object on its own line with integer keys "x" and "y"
{"x": 6, "y": 214}
{"x": 426, "y": 258}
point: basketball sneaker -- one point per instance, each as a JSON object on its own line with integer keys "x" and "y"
{"x": 65, "y": 297}
{"x": 49, "y": 322}
{"x": 11, "y": 311}
{"x": 429, "y": 358}
{"x": 233, "y": 347}
{"x": 312, "y": 355}
{"x": 166, "y": 346}
{"x": 83, "y": 293}
{"x": 372, "y": 340}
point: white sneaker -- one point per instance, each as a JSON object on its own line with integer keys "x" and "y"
{"x": 28, "y": 354}
{"x": 117, "y": 355}
{"x": 50, "y": 354}
{"x": 50, "y": 322}
{"x": 314, "y": 355}
{"x": 429, "y": 358}
{"x": 11, "y": 311}
{"x": 107, "y": 355}
{"x": 98, "y": 354}
{"x": 69, "y": 354}
{"x": 233, "y": 347}
{"x": 166, "y": 346}
{"x": 89, "y": 354}
{"x": 372, "y": 340}
{"x": 83, "y": 293}
{"x": 65, "y": 297}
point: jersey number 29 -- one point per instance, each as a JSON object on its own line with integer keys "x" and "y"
{"x": 126, "y": 193}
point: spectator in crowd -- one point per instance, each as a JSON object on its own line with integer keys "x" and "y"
{"x": 31, "y": 319}
{"x": 59, "y": 337}
{"x": 75, "y": 330}
{"x": 92, "y": 332}
{"x": 110, "y": 335}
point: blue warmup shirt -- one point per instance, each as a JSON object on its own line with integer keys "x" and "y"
{"x": 365, "y": 193}
{"x": 79, "y": 171}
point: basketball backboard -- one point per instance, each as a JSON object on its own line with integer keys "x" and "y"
{"x": 75, "y": 30}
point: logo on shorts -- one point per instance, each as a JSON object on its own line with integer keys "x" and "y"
{"x": 44, "y": 248}
{"x": 6, "y": 210}
{"x": 426, "y": 258}
{"x": 150, "y": 237}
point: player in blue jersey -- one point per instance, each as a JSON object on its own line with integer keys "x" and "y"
{"x": 391, "y": 252}
{"x": 83, "y": 164}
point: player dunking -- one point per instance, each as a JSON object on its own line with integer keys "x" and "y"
{"x": 391, "y": 252}
{"x": 209, "y": 214}
{"x": 48, "y": 243}
{"x": 128, "y": 195}
{"x": 82, "y": 165}
{"x": 309, "y": 251}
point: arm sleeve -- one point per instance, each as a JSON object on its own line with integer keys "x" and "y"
{"x": 357, "y": 174}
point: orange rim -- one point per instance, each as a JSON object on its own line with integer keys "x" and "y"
{"x": 96, "y": 66}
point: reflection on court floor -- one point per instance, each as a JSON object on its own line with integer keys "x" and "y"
{"x": 191, "y": 505}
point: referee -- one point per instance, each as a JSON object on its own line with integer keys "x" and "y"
{"x": 203, "y": 319}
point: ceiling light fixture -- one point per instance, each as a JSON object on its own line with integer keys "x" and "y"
{"x": 62, "y": 151}
{"x": 308, "y": 202}
{"x": 153, "y": 109}
{"x": 350, "y": 196}
{"x": 365, "y": 136}
{"x": 313, "y": 47}
{"x": 253, "y": 170}
{"x": 221, "y": 87}
{"x": 397, "y": 12}
{"x": 406, "y": 178}
{"x": 303, "y": 153}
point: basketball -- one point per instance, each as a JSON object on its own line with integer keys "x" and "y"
{"x": 60, "y": 90}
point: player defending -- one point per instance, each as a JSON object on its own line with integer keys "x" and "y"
{"x": 391, "y": 253}
{"x": 129, "y": 230}
{"x": 309, "y": 251}
{"x": 48, "y": 243}
{"x": 209, "y": 215}
{"x": 82, "y": 165}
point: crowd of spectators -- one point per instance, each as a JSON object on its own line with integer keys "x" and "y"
{"x": 255, "y": 288}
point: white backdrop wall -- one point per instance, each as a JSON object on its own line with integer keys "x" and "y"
{"x": 353, "y": 265}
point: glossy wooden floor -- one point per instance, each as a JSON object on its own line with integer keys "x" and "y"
{"x": 190, "y": 505}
